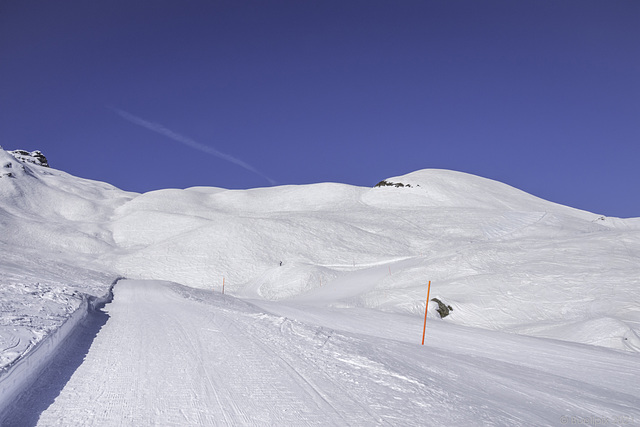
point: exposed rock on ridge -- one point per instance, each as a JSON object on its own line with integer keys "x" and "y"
{"x": 35, "y": 157}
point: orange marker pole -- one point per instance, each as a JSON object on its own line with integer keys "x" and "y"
{"x": 223, "y": 286}
{"x": 424, "y": 329}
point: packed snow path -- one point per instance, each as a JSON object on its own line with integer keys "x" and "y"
{"x": 174, "y": 356}
{"x": 166, "y": 357}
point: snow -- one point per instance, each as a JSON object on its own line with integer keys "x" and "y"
{"x": 545, "y": 320}
{"x": 200, "y": 358}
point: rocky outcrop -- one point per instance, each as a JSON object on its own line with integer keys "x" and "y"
{"x": 384, "y": 183}
{"x": 443, "y": 309}
{"x": 7, "y": 170}
{"x": 35, "y": 157}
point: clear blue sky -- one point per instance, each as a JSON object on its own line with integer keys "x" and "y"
{"x": 542, "y": 95}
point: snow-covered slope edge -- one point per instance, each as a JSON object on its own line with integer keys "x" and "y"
{"x": 18, "y": 376}
{"x": 54, "y": 232}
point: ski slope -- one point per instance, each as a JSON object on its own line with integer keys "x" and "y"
{"x": 321, "y": 320}
{"x": 171, "y": 355}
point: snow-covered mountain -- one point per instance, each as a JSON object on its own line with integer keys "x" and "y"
{"x": 502, "y": 259}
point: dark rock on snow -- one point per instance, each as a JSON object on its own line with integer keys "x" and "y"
{"x": 443, "y": 309}
{"x": 35, "y": 157}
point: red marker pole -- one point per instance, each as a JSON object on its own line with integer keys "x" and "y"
{"x": 223, "y": 286}
{"x": 424, "y": 329}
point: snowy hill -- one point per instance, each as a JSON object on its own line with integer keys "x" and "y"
{"x": 504, "y": 260}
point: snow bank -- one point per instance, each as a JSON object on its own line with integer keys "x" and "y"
{"x": 17, "y": 377}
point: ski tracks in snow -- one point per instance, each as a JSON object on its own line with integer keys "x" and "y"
{"x": 173, "y": 356}
{"x": 176, "y": 356}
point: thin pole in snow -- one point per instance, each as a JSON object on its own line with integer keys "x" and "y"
{"x": 424, "y": 328}
{"x": 223, "y": 286}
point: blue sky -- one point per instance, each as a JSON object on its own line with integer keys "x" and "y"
{"x": 542, "y": 95}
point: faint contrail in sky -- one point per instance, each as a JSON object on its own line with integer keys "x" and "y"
{"x": 158, "y": 128}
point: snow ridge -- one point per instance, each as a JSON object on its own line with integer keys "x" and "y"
{"x": 17, "y": 377}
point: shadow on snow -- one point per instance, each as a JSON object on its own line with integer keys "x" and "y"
{"x": 28, "y": 407}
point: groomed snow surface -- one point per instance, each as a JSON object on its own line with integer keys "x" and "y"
{"x": 322, "y": 317}
{"x": 173, "y": 355}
